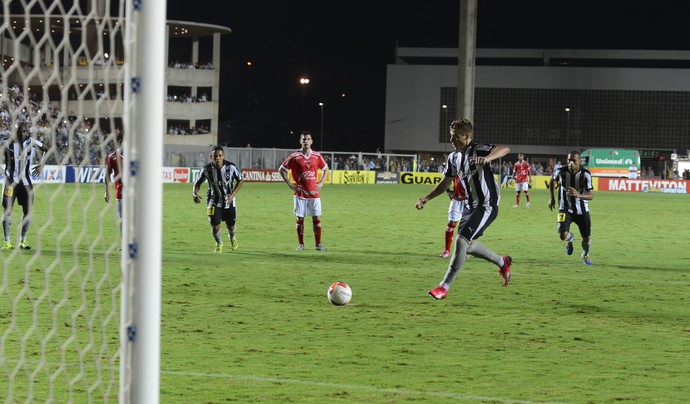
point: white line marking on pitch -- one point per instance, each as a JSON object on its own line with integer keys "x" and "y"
{"x": 348, "y": 386}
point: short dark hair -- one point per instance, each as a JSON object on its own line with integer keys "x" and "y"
{"x": 218, "y": 148}
{"x": 462, "y": 126}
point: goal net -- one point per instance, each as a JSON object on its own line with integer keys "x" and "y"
{"x": 80, "y": 287}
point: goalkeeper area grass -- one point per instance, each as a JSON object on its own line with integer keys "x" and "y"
{"x": 256, "y": 325}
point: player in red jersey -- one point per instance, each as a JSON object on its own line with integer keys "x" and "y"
{"x": 113, "y": 166}
{"x": 522, "y": 173}
{"x": 457, "y": 205}
{"x": 304, "y": 165}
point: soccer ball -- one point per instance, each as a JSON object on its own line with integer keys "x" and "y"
{"x": 339, "y": 293}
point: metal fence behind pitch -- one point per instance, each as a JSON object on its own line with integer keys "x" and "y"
{"x": 263, "y": 158}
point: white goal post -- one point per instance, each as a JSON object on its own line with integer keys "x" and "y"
{"x": 143, "y": 202}
{"x": 80, "y": 290}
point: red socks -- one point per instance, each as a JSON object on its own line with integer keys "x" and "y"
{"x": 317, "y": 231}
{"x": 300, "y": 230}
{"x": 449, "y": 235}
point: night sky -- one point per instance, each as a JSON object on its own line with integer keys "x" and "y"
{"x": 344, "y": 47}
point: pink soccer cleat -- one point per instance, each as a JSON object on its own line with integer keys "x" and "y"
{"x": 505, "y": 269}
{"x": 438, "y": 293}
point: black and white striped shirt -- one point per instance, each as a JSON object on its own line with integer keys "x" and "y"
{"x": 482, "y": 188}
{"x": 18, "y": 159}
{"x": 221, "y": 182}
{"x": 581, "y": 181}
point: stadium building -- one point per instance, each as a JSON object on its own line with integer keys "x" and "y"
{"x": 543, "y": 102}
{"x": 83, "y": 85}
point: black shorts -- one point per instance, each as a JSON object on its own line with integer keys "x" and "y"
{"x": 24, "y": 194}
{"x": 217, "y": 215}
{"x": 582, "y": 221}
{"x": 475, "y": 221}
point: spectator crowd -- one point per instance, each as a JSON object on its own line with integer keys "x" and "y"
{"x": 75, "y": 139}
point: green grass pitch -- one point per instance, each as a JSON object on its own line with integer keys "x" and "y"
{"x": 255, "y": 325}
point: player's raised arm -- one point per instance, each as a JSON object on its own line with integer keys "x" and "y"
{"x": 44, "y": 156}
{"x": 496, "y": 153}
{"x": 439, "y": 189}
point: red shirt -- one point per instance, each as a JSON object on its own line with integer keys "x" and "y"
{"x": 522, "y": 171}
{"x": 303, "y": 170}
{"x": 458, "y": 189}
{"x": 111, "y": 163}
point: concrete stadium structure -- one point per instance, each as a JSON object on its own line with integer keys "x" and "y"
{"x": 542, "y": 102}
{"x": 82, "y": 74}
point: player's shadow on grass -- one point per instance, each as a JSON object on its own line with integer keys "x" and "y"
{"x": 615, "y": 311}
{"x": 575, "y": 261}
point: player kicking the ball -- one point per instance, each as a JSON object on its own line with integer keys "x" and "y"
{"x": 470, "y": 161}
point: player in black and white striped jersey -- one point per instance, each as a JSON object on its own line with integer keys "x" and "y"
{"x": 470, "y": 161}
{"x": 224, "y": 181}
{"x": 19, "y": 155}
{"x": 574, "y": 194}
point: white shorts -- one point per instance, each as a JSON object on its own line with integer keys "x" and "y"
{"x": 307, "y": 207}
{"x": 455, "y": 210}
{"x": 522, "y": 186}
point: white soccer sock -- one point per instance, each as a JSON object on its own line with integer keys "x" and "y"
{"x": 570, "y": 238}
{"x": 25, "y": 228}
